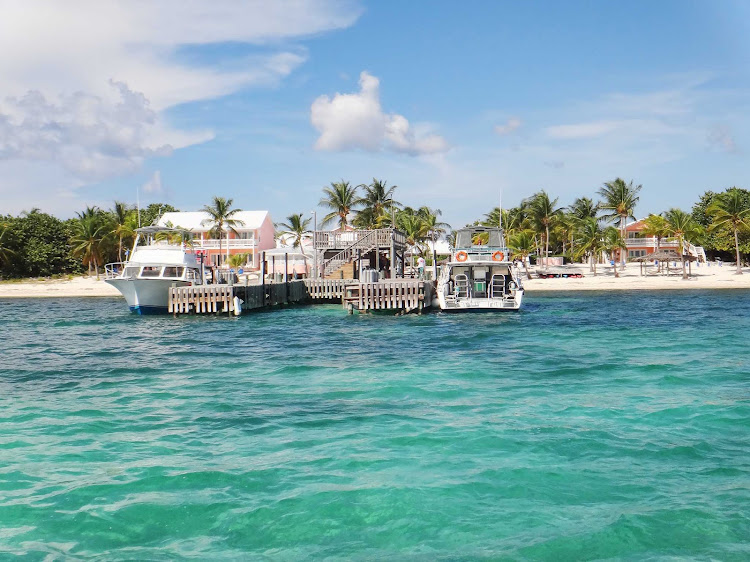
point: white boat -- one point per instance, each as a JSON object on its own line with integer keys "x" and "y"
{"x": 480, "y": 275}
{"x": 144, "y": 280}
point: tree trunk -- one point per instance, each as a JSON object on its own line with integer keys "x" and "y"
{"x": 737, "y": 248}
{"x": 119, "y": 250}
{"x": 546, "y": 247}
{"x": 526, "y": 267}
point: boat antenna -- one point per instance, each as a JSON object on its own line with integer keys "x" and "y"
{"x": 500, "y": 218}
{"x": 138, "y": 204}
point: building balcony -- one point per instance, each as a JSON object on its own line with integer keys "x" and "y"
{"x": 650, "y": 243}
{"x": 232, "y": 244}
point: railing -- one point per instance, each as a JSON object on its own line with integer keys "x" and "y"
{"x": 213, "y": 244}
{"x": 650, "y": 243}
{"x": 325, "y": 240}
{"x": 112, "y": 270}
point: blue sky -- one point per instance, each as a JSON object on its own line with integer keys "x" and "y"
{"x": 453, "y": 102}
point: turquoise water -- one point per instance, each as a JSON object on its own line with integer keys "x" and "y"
{"x": 587, "y": 426}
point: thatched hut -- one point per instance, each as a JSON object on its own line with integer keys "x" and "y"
{"x": 664, "y": 256}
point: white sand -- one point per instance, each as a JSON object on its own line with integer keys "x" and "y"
{"x": 704, "y": 277}
{"x": 76, "y": 287}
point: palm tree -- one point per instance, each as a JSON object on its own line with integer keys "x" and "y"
{"x": 296, "y": 226}
{"x": 619, "y": 198}
{"x": 589, "y": 241}
{"x": 238, "y": 260}
{"x": 611, "y": 242}
{"x": 684, "y": 227}
{"x": 521, "y": 246}
{"x": 340, "y": 198}
{"x": 377, "y": 202}
{"x": 412, "y": 225}
{"x": 220, "y": 215}
{"x": 656, "y": 226}
{"x": 122, "y": 225}
{"x": 564, "y": 226}
{"x": 433, "y": 229}
{"x": 583, "y": 208}
{"x": 5, "y": 244}
{"x": 542, "y": 211}
{"x": 731, "y": 210}
{"x": 88, "y": 238}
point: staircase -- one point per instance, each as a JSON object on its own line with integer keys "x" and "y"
{"x": 345, "y": 256}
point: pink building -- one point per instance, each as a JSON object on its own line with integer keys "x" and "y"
{"x": 255, "y": 233}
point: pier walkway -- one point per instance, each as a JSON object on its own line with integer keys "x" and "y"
{"x": 400, "y": 295}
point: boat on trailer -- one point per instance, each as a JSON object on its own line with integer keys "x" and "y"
{"x": 154, "y": 265}
{"x": 480, "y": 275}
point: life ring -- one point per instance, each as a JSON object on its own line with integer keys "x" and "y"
{"x": 462, "y": 256}
{"x": 498, "y": 256}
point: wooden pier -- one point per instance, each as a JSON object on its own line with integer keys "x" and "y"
{"x": 405, "y": 295}
{"x": 400, "y": 295}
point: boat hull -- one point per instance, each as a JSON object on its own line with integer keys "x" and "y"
{"x": 146, "y": 296}
{"x": 482, "y": 304}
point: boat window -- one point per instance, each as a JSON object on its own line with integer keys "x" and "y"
{"x": 495, "y": 241}
{"x": 172, "y": 271}
{"x": 463, "y": 239}
{"x": 131, "y": 271}
{"x": 151, "y": 271}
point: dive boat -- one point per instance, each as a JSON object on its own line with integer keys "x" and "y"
{"x": 152, "y": 268}
{"x": 480, "y": 275}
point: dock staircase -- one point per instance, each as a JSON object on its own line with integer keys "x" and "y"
{"x": 346, "y": 256}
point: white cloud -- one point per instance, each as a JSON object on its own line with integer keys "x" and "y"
{"x": 153, "y": 185}
{"x": 513, "y": 124}
{"x": 85, "y": 82}
{"x": 350, "y": 121}
{"x": 88, "y": 136}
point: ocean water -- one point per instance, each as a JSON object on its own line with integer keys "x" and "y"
{"x": 587, "y": 426}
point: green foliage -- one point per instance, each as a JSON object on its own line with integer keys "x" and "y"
{"x": 340, "y": 198}
{"x": 151, "y": 214}
{"x": 296, "y": 226}
{"x": 37, "y": 245}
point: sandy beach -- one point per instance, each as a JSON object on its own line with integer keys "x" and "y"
{"x": 704, "y": 277}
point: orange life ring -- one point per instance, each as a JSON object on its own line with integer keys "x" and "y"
{"x": 498, "y": 256}
{"x": 462, "y": 256}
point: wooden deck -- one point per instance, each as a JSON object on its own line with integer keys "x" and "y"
{"x": 401, "y": 295}
{"x": 405, "y": 295}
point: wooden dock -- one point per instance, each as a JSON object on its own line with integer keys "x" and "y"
{"x": 401, "y": 295}
{"x": 404, "y": 295}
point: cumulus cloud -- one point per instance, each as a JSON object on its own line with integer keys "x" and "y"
{"x": 85, "y": 82}
{"x": 88, "y": 136}
{"x": 513, "y": 124}
{"x": 350, "y": 121}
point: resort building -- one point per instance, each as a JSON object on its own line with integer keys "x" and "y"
{"x": 639, "y": 244}
{"x": 255, "y": 233}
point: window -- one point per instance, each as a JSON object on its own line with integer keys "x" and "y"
{"x": 636, "y": 253}
{"x": 150, "y": 271}
{"x": 172, "y": 271}
{"x": 131, "y": 271}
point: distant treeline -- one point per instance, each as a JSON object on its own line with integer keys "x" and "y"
{"x": 36, "y": 244}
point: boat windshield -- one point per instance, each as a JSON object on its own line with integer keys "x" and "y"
{"x": 151, "y": 271}
{"x": 173, "y": 271}
{"x": 479, "y": 237}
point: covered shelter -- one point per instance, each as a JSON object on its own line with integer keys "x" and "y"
{"x": 664, "y": 256}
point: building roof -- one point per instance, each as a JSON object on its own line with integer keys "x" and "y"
{"x": 636, "y": 226}
{"x": 192, "y": 220}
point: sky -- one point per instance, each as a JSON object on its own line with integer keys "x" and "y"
{"x": 462, "y": 105}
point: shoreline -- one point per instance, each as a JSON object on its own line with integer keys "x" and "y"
{"x": 705, "y": 278}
